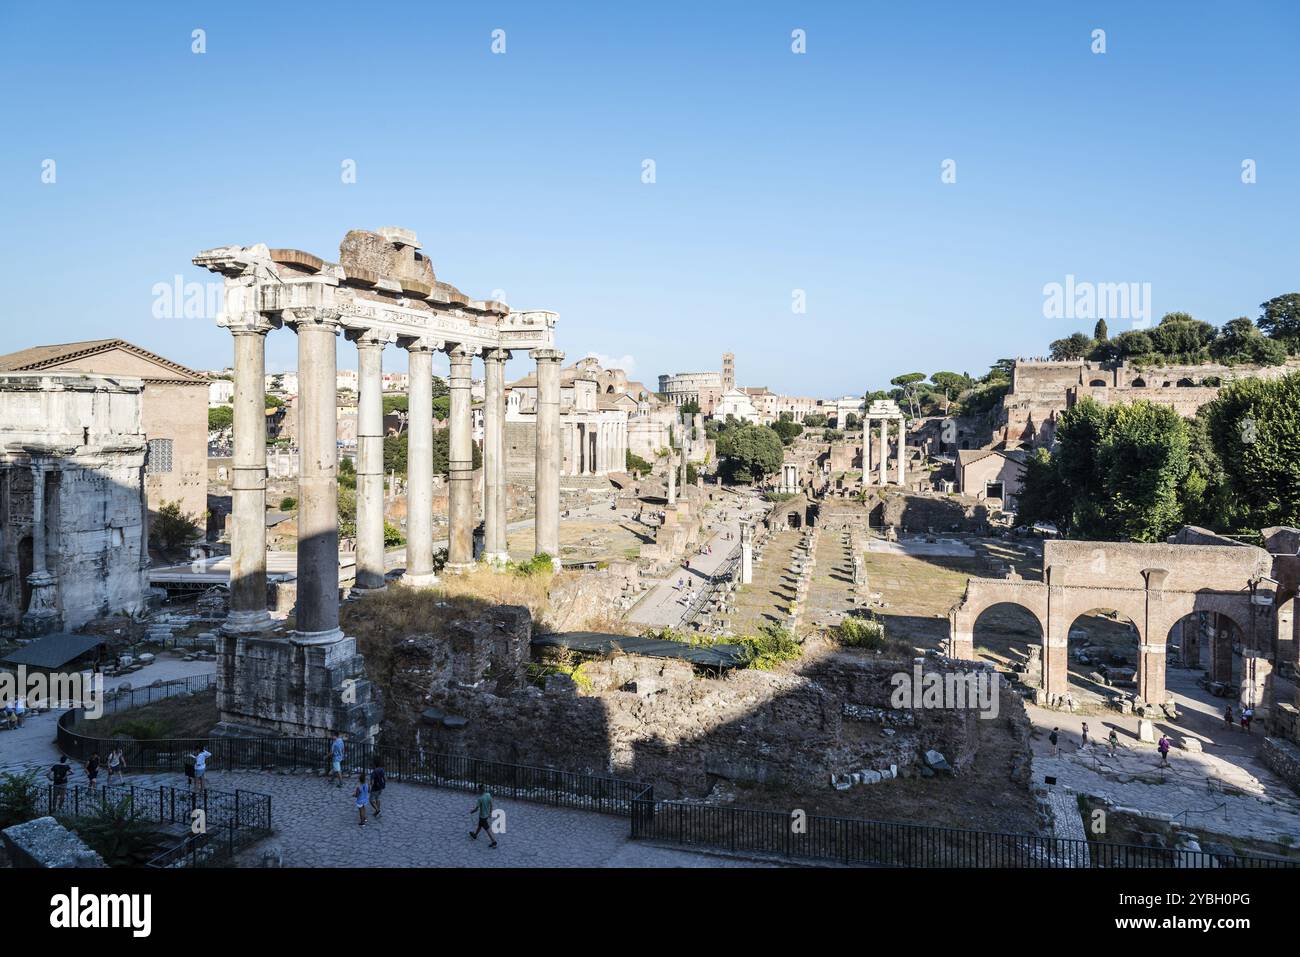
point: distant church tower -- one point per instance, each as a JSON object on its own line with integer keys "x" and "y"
{"x": 728, "y": 371}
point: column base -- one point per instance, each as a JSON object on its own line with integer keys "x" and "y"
{"x": 361, "y": 591}
{"x": 247, "y": 622}
{"x": 316, "y": 637}
{"x": 458, "y": 568}
{"x": 496, "y": 559}
{"x": 425, "y": 580}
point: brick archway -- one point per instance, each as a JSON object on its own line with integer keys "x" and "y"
{"x": 1154, "y": 586}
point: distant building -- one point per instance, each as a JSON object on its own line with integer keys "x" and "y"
{"x": 221, "y": 392}
{"x": 996, "y": 474}
{"x": 737, "y": 403}
{"x": 174, "y": 411}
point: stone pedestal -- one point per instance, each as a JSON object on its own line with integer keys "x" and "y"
{"x": 272, "y": 686}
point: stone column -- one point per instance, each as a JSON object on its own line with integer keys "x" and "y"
{"x": 883, "y": 456}
{"x": 318, "y": 509}
{"x": 419, "y": 465}
{"x": 548, "y": 452}
{"x": 370, "y": 459}
{"x": 248, "y": 614}
{"x": 866, "y": 449}
{"x": 902, "y": 451}
{"x": 746, "y": 553}
{"x": 494, "y": 448}
{"x": 672, "y": 476}
{"x": 460, "y": 463}
{"x": 42, "y": 614}
{"x": 1151, "y": 672}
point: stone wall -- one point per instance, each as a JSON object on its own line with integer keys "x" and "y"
{"x": 1283, "y": 758}
{"x": 462, "y": 691}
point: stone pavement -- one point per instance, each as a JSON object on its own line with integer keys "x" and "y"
{"x": 32, "y": 745}
{"x": 316, "y": 826}
{"x": 661, "y": 607}
{"x": 1222, "y": 787}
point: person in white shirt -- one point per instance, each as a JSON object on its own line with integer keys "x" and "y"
{"x": 200, "y": 768}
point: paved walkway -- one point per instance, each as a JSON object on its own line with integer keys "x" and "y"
{"x": 33, "y": 745}
{"x": 1256, "y": 803}
{"x": 662, "y": 606}
{"x": 421, "y": 826}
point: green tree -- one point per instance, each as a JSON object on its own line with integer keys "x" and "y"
{"x": 273, "y": 401}
{"x": 1075, "y": 346}
{"x": 814, "y": 420}
{"x": 787, "y": 430}
{"x": 908, "y": 383}
{"x": 220, "y": 417}
{"x": 171, "y": 527}
{"x": 1280, "y": 319}
{"x": 395, "y": 452}
{"x": 749, "y": 452}
{"x": 1099, "y": 332}
{"x": 637, "y": 465}
{"x": 1254, "y": 427}
{"x": 852, "y": 422}
{"x": 689, "y": 407}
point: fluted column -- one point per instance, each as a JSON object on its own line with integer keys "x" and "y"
{"x": 548, "y": 452}
{"x": 248, "y": 614}
{"x": 460, "y": 463}
{"x": 419, "y": 465}
{"x": 884, "y": 451}
{"x": 494, "y": 466}
{"x": 370, "y": 459}
{"x": 318, "y": 508}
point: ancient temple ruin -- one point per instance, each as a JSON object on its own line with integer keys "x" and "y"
{"x": 382, "y": 291}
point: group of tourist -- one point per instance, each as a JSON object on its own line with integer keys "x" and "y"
{"x": 15, "y": 713}
{"x": 1245, "y": 716}
{"x": 369, "y": 790}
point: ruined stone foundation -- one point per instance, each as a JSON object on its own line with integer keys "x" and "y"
{"x": 272, "y": 686}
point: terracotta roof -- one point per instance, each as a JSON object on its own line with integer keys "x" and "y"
{"x": 43, "y": 357}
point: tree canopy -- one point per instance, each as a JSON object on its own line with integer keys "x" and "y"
{"x": 749, "y": 452}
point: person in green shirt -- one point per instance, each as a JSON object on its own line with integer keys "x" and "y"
{"x": 484, "y": 808}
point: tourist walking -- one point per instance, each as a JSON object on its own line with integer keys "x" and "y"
{"x": 1163, "y": 748}
{"x": 58, "y": 776}
{"x": 1227, "y": 716}
{"x": 116, "y": 765}
{"x": 1247, "y": 716}
{"x": 336, "y": 759}
{"x": 201, "y": 755}
{"x": 1083, "y": 741}
{"x": 1113, "y": 740}
{"x": 483, "y": 806}
{"x": 362, "y": 794}
{"x": 92, "y": 769}
{"x": 378, "y": 781}
{"x": 1055, "y": 739}
{"x": 20, "y": 710}
{"x": 189, "y": 769}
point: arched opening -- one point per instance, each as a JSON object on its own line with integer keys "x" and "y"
{"x": 609, "y": 390}
{"x": 1205, "y": 643}
{"x": 1103, "y": 650}
{"x": 1139, "y": 383}
{"x": 876, "y": 518}
{"x": 1098, "y": 383}
{"x": 1010, "y": 636}
{"x": 1185, "y": 383}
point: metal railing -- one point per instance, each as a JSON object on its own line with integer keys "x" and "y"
{"x": 891, "y": 844}
{"x": 136, "y": 697}
{"x": 229, "y": 819}
{"x": 589, "y": 792}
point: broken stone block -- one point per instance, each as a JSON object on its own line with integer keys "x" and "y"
{"x": 44, "y": 842}
{"x": 1146, "y": 731}
{"x": 937, "y": 762}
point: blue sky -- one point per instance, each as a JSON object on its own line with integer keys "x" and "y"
{"x": 775, "y": 171}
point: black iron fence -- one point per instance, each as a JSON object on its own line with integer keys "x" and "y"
{"x": 890, "y": 844}
{"x": 606, "y": 795}
{"x": 216, "y": 823}
{"x": 137, "y": 697}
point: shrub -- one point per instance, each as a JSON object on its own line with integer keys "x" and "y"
{"x": 19, "y": 798}
{"x": 857, "y": 632}
{"x": 121, "y": 835}
{"x": 171, "y": 527}
{"x": 288, "y": 503}
{"x": 393, "y": 536}
{"x": 539, "y": 564}
{"x": 771, "y": 646}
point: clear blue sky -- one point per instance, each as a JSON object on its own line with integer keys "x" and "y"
{"x": 775, "y": 171}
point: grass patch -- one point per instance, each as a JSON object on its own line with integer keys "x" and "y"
{"x": 180, "y": 716}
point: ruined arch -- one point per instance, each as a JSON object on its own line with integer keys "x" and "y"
{"x": 1010, "y": 634}
{"x": 1106, "y": 642}
{"x": 1138, "y": 383}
